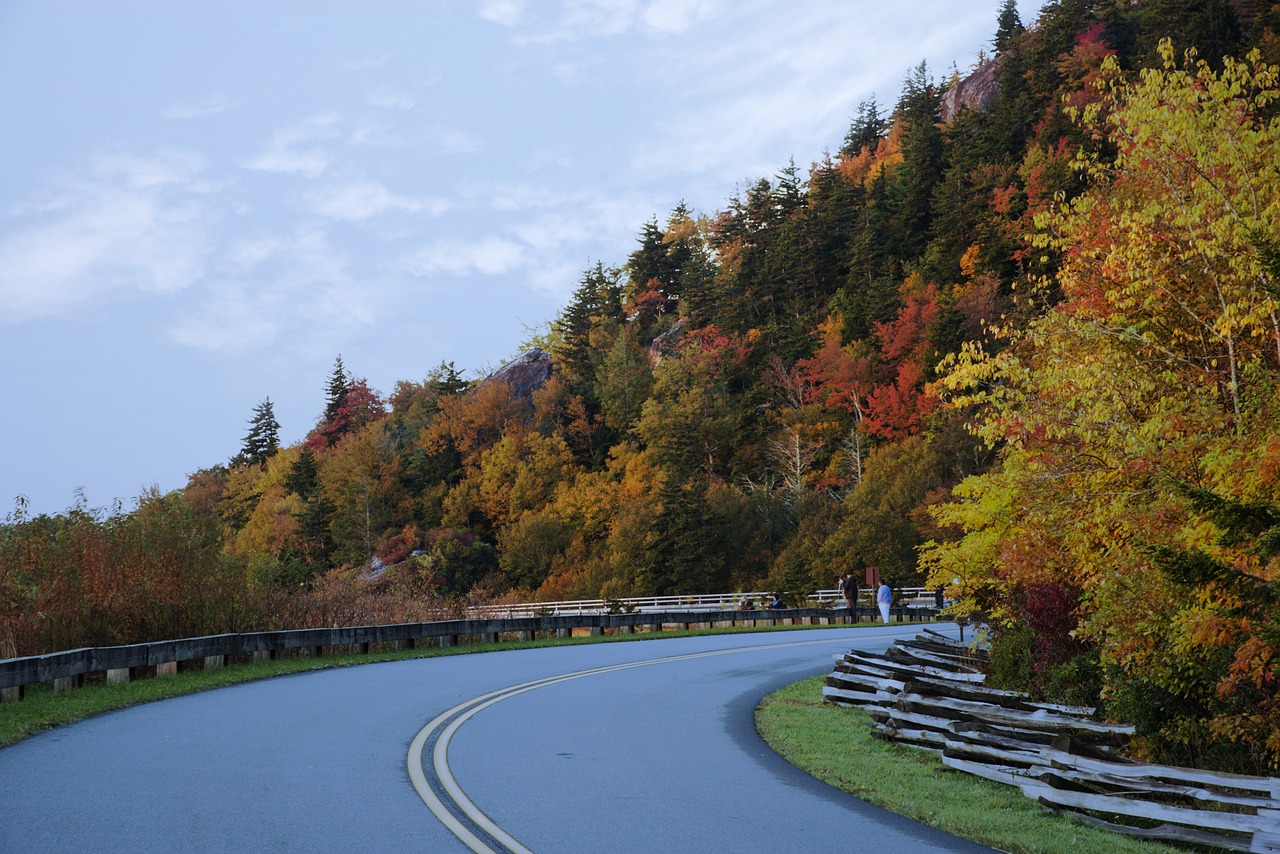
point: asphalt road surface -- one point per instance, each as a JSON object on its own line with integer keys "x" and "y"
{"x": 646, "y": 746}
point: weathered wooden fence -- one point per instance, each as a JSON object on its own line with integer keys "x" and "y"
{"x": 928, "y": 693}
{"x": 67, "y": 670}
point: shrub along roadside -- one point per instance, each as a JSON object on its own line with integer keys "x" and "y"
{"x": 835, "y": 744}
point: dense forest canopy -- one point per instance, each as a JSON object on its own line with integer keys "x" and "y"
{"x": 1016, "y": 337}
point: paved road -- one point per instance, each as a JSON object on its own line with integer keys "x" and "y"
{"x": 660, "y": 756}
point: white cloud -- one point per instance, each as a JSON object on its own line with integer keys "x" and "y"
{"x": 232, "y": 316}
{"x": 739, "y": 102}
{"x": 133, "y": 226}
{"x": 458, "y": 257}
{"x": 367, "y": 63}
{"x": 296, "y": 288}
{"x": 164, "y": 168}
{"x": 244, "y": 255}
{"x": 453, "y": 141}
{"x": 507, "y": 13}
{"x": 288, "y": 150}
{"x": 211, "y": 106}
{"x": 678, "y": 16}
{"x": 594, "y": 19}
{"x": 364, "y": 200}
{"x": 389, "y": 100}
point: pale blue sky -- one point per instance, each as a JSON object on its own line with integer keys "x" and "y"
{"x": 201, "y": 205}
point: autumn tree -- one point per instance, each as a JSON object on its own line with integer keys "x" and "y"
{"x": 1156, "y": 368}
{"x": 356, "y": 406}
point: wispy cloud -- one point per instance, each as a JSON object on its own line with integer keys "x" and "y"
{"x": 362, "y": 200}
{"x": 389, "y": 100}
{"x": 291, "y": 150}
{"x": 453, "y": 141}
{"x": 211, "y": 106}
{"x": 740, "y": 98}
{"x": 593, "y": 19}
{"x": 507, "y": 13}
{"x": 454, "y": 256}
{"x": 297, "y": 287}
{"x": 132, "y": 224}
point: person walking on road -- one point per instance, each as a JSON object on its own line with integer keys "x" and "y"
{"x": 849, "y": 587}
{"x": 884, "y": 598}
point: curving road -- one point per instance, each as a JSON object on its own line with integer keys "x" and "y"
{"x": 613, "y": 747}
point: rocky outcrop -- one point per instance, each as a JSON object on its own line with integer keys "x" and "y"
{"x": 527, "y": 373}
{"x": 973, "y": 92}
{"x": 668, "y": 343}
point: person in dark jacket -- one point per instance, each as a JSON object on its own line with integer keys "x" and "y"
{"x": 849, "y": 588}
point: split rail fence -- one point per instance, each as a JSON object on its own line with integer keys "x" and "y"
{"x": 69, "y": 669}
{"x": 929, "y": 693}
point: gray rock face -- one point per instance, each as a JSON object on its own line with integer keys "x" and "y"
{"x": 668, "y": 343}
{"x": 527, "y": 373}
{"x": 974, "y": 91}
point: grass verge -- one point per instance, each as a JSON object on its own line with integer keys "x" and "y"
{"x": 835, "y": 744}
{"x": 43, "y": 708}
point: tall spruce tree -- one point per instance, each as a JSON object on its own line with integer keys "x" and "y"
{"x": 1008, "y": 26}
{"x": 336, "y": 393}
{"x": 303, "y": 479}
{"x": 446, "y": 381}
{"x": 263, "y": 438}
{"x": 922, "y": 162}
{"x": 869, "y": 125}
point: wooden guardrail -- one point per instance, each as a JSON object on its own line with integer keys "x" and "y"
{"x": 68, "y": 669}
{"x": 929, "y": 693}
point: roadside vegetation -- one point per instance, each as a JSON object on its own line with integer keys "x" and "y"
{"x": 835, "y": 744}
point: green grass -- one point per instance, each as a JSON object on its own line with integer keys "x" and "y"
{"x": 43, "y": 708}
{"x": 835, "y": 744}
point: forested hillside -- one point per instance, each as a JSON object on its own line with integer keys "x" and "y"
{"x": 1016, "y": 336}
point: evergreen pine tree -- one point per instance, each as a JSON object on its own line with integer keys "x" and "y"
{"x": 445, "y": 380}
{"x": 336, "y": 394}
{"x": 921, "y": 169}
{"x": 597, "y": 300}
{"x": 682, "y": 558}
{"x": 263, "y": 438}
{"x": 868, "y": 127}
{"x": 303, "y": 479}
{"x": 1008, "y": 26}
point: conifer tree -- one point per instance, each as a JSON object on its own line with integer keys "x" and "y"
{"x": 921, "y": 169}
{"x": 303, "y": 479}
{"x": 868, "y": 126}
{"x": 446, "y": 380}
{"x": 1008, "y": 26}
{"x": 336, "y": 394}
{"x": 263, "y": 438}
{"x": 597, "y": 300}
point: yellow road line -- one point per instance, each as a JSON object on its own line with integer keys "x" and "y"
{"x": 469, "y": 708}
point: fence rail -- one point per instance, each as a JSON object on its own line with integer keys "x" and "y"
{"x": 904, "y": 597}
{"x": 67, "y": 669}
{"x": 928, "y": 693}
